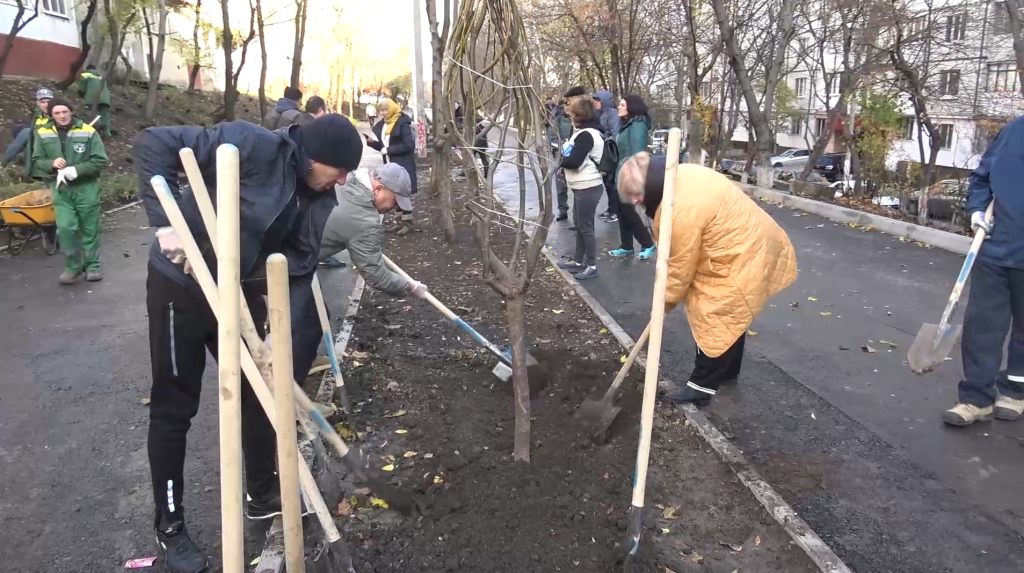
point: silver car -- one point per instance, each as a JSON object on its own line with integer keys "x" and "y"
{"x": 791, "y": 158}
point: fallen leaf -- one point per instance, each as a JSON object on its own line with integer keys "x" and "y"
{"x": 255, "y": 561}
{"x": 388, "y": 468}
{"x": 356, "y": 364}
{"x": 144, "y": 400}
{"x": 697, "y": 558}
{"x": 400, "y": 431}
{"x": 378, "y": 502}
{"x": 665, "y": 531}
{"x": 557, "y": 311}
{"x": 622, "y": 359}
{"x": 812, "y": 299}
{"x": 603, "y": 331}
{"x": 406, "y": 308}
{"x": 344, "y": 508}
{"x": 438, "y": 479}
{"x": 409, "y": 454}
{"x": 733, "y": 546}
{"x": 362, "y": 491}
{"x": 395, "y": 414}
{"x": 428, "y": 456}
{"x": 345, "y": 433}
{"x": 670, "y": 512}
{"x": 868, "y": 349}
{"x": 757, "y": 540}
{"x": 751, "y": 333}
{"x": 667, "y": 570}
{"x": 358, "y": 355}
{"x": 826, "y": 314}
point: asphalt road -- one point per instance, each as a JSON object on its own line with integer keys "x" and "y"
{"x": 852, "y": 439}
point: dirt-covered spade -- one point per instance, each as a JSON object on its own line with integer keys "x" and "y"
{"x": 598, "y": 415}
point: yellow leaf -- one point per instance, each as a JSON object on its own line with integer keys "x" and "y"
{"x": 409, "y": 454}
{"x": 670, "y": 512}
{"x": 344, "y": 432}
{"x": 395, "y": 414}
{"x": 826, "y": 314}
{"x": 401, "y": 431}
{"x": 622, "y": 359}
{"x": 255, "y": 561}
{"x": 438, "y": 479}
{"x": 812, "y": 299}
{"x": 603, "y": 331}
{"x": 353, "y": 501}
{"x": 557, "y": 311}
{"x": 751, "y": 333}
{"x": 388, "y": 468}
{"x": 378, "y": 502}
{"x": 665, "y": 531}
{"x": 356, "y": 364}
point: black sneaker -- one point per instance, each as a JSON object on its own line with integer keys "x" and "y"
{"x": 612, "y": 219}
{"x": 689, "y": 395}
{"x": 604, "y": 215}
{"x": 179, "y": 554}
{"x": 572, "y": 266}
{"x": 268, "y": 507}
{"x": 562, "y": 217}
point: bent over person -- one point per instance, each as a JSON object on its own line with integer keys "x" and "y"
{"x": 727, "y": 258}
{"x": 70, "y": 153}
{"x": 287, "y": 178}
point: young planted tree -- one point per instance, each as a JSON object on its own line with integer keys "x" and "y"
{"x": 156, "y": 56}
{"x": 25, "y": 14}
{"x": 442, "y": 123}
{"x": 301, "y": 7}
{"x": 492, "y": 32}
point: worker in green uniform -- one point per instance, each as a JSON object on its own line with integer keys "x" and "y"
{"x": 71, "y": 152}
{"x": 95, "y": 94}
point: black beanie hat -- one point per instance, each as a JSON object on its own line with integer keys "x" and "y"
{"x": 575, "y": 91}
{"x": 332, "y": 140}
{"x": 292, "y": 93}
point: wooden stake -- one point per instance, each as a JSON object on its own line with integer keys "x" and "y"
{"x": 636, "y": 514}
{"x": 229, "y": 361}
{"x": 287, "y": 448}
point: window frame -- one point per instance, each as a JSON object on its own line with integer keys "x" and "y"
{"x": 947, "y": 138}
{"x": 798, "y": 83}
{"x": 945, "y": 84}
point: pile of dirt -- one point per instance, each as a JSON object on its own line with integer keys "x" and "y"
{"x": 441, "y": 425}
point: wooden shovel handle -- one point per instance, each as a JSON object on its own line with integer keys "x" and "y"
{"x": 637, "y": 347}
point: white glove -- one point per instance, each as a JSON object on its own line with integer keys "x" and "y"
{"x": 978, "y": 222}
{"x": 417, "y": 289}
{"x": 170, "y": 245}
{"x": 61, "y": 178}
{"x": 70, "y": 173}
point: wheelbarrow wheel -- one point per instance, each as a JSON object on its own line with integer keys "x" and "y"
{"x": 50, "y": 241}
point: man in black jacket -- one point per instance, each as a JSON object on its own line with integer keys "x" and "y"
{"x": 287, "y": 179}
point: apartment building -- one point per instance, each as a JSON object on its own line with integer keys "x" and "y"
{"x": 48, "y": 44}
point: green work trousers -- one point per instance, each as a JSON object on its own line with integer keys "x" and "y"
{"x": 78, "y": 227}
{"x": 104, "y": 121}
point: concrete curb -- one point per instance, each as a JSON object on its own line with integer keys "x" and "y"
{"x": 107, "y": 212}
{"x": 952, "y": 242}
{"x": 817, "y": 550}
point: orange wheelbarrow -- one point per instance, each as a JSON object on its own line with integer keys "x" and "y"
{"x": 33, "y": 214}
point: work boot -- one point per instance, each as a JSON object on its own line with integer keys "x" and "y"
{"x": 1008, "y": 408}
{"x": 966, "y": 414}
{"x": 94, "y": 275}
{"x": 689, "y": 395}
{"x": 180, "y": 554}
{"x": 69, "y": 277}
{"x": 407, "y": 225}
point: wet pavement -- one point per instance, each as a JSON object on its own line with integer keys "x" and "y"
{"x": 852, "y": 439}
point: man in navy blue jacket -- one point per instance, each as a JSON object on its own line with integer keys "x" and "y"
{"x": 995, "y": 305}
{"x": 286, "y": 186}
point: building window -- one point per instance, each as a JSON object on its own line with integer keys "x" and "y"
{"x": 907, "y": 127}
{"x": 803, "y": 44}
{"x": 1002, "y": 77}
{"x": 796, "y": 127}
{"x": 945, "y": 135}
{"x": 801, "y": 87}
{"x": 819, "y": 126}
{"x": 56, "y": 7}
{"x": 956, "y": 27}
{"x": 949, "y": 82}
{"x": 916, "y": 27}
{"x": 705, "y": 90}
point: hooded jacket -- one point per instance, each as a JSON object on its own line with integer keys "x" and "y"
{"x": 401, "y": 145}
{"x": 609, "y": 117}
{"x": 286, "y": 112}
{"x": 998, "y": 177}
{"x": 728, "y": 256}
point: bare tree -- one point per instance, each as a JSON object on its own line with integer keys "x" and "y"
{"x": 83, "y": 38}
{"x": 441, "y": 122}
{"x": 156, "y": 62}
{"x": 229, "y": 44}
{"x": 21, "y": 19}
{"x": 261, "y": 30}
{"x": 301, "y": 7}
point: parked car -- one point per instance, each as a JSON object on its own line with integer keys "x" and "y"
{"x": 845, "y": 186}
{"x": 831, "y": 166}
{"x": 791, "y": 158}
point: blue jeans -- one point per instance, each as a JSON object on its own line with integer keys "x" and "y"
{"x": 995, "y": 306}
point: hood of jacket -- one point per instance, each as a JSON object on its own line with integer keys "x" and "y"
{"x": 609, "y": 115}
{"x": 284, "y": 104}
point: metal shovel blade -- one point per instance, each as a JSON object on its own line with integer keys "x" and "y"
{"x": 504, "y": 372}
{"x": 597, "y": 417}
{"x": 931, "y": 347}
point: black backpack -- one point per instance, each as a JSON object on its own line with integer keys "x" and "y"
{"x": 609, "y": 157}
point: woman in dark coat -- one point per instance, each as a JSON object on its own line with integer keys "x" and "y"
{"x": 632, "y": 139}
{"x": 397, "y": 141}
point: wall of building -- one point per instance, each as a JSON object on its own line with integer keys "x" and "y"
{"x": 46, "y": 46}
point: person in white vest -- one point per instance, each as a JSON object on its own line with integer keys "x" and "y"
{"x": 581, "y": 155}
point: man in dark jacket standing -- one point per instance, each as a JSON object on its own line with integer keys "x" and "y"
{"x": 287, "y": 179}
{"x": 995, "y": 305}
{"x": 286, "y": 111}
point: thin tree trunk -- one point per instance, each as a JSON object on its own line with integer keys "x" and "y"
{"x": 230, "y": 89}
{"x": 1018, "y": 40}
{"x": 83, "y": 35}
{"x": 157, "y": 60}
{"x": 16, "y": 27}
{"x": 520, "y": 381}
{"x": 263, "y": 57}
{"x": 196, "y": 51}
{"x": 300, "y": 33}
{"x": 440, "y": 173}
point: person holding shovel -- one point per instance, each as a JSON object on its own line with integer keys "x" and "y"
{"x": 995, "y": 305}
{"x": 287, "y": 179}
{"x": 727, "y": 258}
{"x": 71, "y": 154}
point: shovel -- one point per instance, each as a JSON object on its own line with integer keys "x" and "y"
{"x": 503, "y": 369}
{"x": 597, "y": 415}
{"x": 934, "y": 341}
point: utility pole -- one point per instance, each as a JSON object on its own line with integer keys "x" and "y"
{"x": 417, "y": 64}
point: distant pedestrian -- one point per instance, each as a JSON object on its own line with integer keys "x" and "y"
{"x": 559, "y": 131}
{"x": 574, "y": 93}
{"x": 286, "y": 111}
{"x": 728, "y": 257}
{"x": 96, "y": 95}
{"x": 581, "y": 155}
{"x": 608, "y": 117}
{"x": 995, "y": 305}
{"x": 316, "y": 107}
{"x": 480, "y": 143}
{"x": 632, "y": 139}
{"x": 396, "y": 140}
{"x": 371, "y": 114}
{"x": 71, "y": 152}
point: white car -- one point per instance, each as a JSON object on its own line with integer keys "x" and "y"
{"x": 791, "y": 158}
{"x": 846, "y": 186}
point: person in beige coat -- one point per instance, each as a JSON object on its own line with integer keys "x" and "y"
{"x": 727, "y": 258}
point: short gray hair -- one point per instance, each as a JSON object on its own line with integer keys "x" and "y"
{"x": 633, "y": 176}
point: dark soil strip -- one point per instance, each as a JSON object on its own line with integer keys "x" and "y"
{"x": 449, "y": 439}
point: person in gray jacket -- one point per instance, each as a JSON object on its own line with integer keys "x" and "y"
{"x": 355, "y": 225}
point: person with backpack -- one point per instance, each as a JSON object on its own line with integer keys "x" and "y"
{"x": 286, "y": 112}
{"x": 581, "y": 157}
{"x": 608, "y": 117}
{"x": 632, "y": 139}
